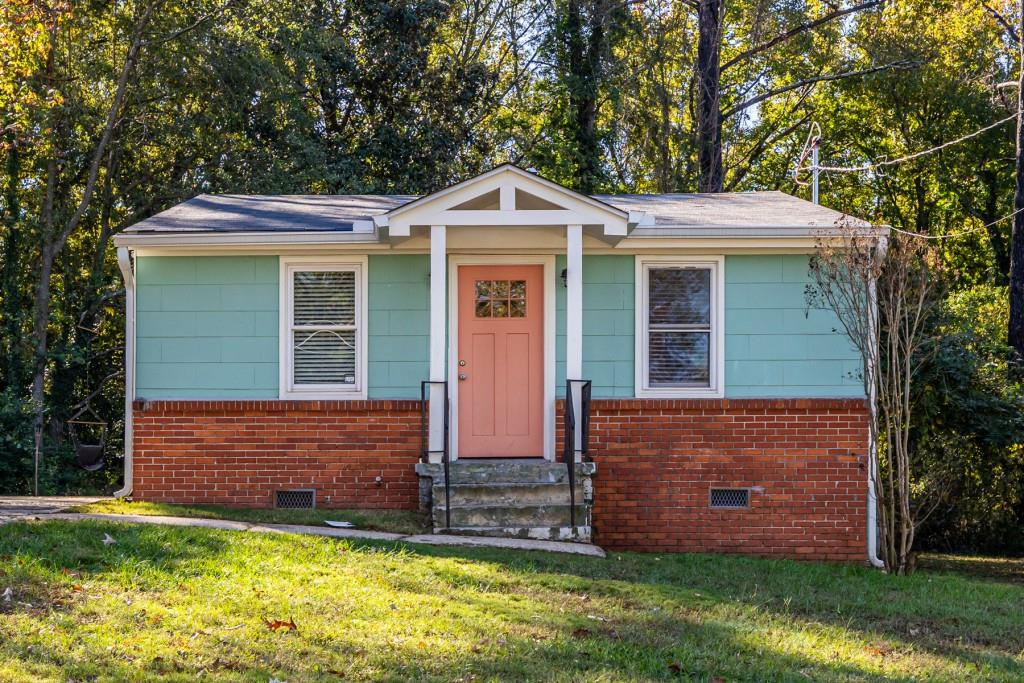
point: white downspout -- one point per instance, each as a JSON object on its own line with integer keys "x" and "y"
{"x": 124, "y": 261}
{"x": 883, "y": 246}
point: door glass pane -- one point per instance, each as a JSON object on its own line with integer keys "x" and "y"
{"x": 500, "y": 299}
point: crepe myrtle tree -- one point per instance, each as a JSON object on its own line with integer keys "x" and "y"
{"x": 884, "y": 289}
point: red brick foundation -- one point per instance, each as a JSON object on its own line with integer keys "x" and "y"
{"x": 240, "y": 452}
{"x": 805, "y": 459}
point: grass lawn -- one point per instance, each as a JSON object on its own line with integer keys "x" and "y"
{"x": 185, "y": 604}
{"x": 397, "y": 521}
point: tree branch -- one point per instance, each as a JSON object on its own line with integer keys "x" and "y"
{"x": 903, "y": 64}
{"x": 108, "y": 128}
{"x": 797, "y": 30}
{"x": 1002, "y": 21}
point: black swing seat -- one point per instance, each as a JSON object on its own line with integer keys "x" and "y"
{"x": 88, "y": 456}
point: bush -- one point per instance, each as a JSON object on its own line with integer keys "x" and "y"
{"x": 970, "y": 429}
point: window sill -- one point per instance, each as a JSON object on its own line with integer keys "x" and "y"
{"x": 679, "y": 393}
{"x": 313, "y": 395}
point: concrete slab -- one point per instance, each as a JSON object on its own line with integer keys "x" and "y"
{"x": 425, "y": 539}
{"x": 510, "y": 543}
{"x": 13, "y": 507}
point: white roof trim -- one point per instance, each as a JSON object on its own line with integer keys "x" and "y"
{"x": 503, "y": 169}
{"x": 202, "y": 239}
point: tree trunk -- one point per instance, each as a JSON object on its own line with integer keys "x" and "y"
{"x": 1016, "y": 327}
{"x": 709, "y": 108}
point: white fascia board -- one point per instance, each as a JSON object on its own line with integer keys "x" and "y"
{"x": 205, "y": 239}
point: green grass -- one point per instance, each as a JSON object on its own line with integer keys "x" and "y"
{"x": 184, "y": 604}
{"x": 397, "y": 521}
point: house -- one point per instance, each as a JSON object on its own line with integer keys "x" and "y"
{"x": 510, "y": 356}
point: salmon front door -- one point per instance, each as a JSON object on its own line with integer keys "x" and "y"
{"x": 501, "y": 361}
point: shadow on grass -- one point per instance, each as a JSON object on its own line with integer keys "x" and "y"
{"x": 676, "y": 616}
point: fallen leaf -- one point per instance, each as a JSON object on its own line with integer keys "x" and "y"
{"x": 276, "y": 624}
{"x": 108, "y": 540}
{"x": 879, "y": 649}
{"x": 339, "y": 674}
{"x": 77, "y": 588}
{"x": 581, "y": 633}
{"x": 68, "y": 572}
{"x": 675, "y": 667}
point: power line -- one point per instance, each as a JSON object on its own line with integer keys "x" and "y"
{"x": 957, "y": 234}
{"x": 892, "y": 162}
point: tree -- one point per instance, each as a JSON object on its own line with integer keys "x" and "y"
{"x": 1016, "y": 323}
{"x": 709, "y": 69}
{"x": 884, "y": 299}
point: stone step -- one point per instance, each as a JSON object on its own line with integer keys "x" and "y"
{"x": 508, "y": 494}
{"x": 580, "y": 534}
{"x": 501, "y": 516}
{"x": 503, "y": 471}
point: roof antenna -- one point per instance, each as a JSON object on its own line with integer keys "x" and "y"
{"x": 815, "y": 143}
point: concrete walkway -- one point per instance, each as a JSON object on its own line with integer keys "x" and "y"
{"x": 425, "y": 539}
{"x": 12, "y": 507}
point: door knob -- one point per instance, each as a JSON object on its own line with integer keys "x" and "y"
{"x": 462, "y": 377}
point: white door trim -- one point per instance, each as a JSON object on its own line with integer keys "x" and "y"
{"x": 546, "y": 260}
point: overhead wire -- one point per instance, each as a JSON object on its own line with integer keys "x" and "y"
{"x": 814, "y": 137}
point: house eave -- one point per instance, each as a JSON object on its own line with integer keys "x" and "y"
{"x": 134, "y": 240}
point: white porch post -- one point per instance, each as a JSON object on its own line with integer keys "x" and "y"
{"x": 438, "y": 324}
{"x": 574, "y": 321}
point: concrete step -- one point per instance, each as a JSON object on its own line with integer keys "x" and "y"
{"x": 508, "y": 494}
{"x": 503, "y": 471}
{"x": 500, "y": 516}
{"x": 580, "y": 534}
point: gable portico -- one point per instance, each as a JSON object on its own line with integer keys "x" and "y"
{"x": 505, "y": 216}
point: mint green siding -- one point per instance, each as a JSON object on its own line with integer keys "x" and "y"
{"x": 774, "y": 345}
{"x": 399, "y": 325}
{"x": 206, "y": 327}
{"x": 608, "y": 322}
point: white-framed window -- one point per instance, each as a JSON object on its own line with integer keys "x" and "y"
{"x": 323, "y": 329}
{"x": 679, "y": 321}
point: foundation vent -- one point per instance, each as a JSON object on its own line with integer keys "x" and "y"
{"x": 295, "y": 499}
{"x": 730, "y": 498}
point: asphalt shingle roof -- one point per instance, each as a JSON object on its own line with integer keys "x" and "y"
{"x": 672, "y": 214}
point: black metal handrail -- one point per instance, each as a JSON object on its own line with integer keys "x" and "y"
{"x": 569, "y": 450}
{"x": 425, "y": 441}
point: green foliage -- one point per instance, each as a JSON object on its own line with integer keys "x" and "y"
{"x": 969, "y": 428}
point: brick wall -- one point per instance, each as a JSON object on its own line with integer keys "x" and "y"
{"x": 657, "y": 459}
{"x": 240, "y": 452}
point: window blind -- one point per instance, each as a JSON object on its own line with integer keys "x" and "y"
{"x": 679, "y": 327}
{"x": 324, "y": 327}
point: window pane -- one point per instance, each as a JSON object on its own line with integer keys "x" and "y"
{"x": 324, "y": 298}
{"x": 324, "y": 357}
{"x": 679, "y": 359}
{"x": 679, "y": 296}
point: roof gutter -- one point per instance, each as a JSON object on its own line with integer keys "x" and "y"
{"x": 208, "y": 238}
{"x": 873, "y": 559}
{"x": 124, "y": 262}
